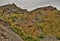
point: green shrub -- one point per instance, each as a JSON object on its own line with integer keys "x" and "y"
{"x": 30, "y": 38}
{"x": 58, "y": 37}
{"x": 42, "y": 35}
{"x": 14, "y": 18}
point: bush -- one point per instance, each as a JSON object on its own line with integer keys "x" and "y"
{"x": 42, "y": 35}
{"x": 57, "y": 37}
{"x": 14, "y": 18}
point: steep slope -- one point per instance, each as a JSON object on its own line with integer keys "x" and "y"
{"x": 41, "y": 24}
{"x": 6, "y": 34}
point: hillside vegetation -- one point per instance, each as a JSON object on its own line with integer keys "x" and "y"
{"x": 32, "y": 25}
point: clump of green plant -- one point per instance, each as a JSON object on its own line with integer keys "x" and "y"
{"x": 30, "y": 38}
{"x": 14, "y": 18}
{"x": 58, "y": 37}
{"x": 42, "y": 35}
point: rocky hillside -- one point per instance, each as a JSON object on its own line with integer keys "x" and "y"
{"x": 6, "y": 34}
{"x": 41, "y": 24}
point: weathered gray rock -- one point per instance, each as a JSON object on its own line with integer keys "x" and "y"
{"x": 7, "y": 35}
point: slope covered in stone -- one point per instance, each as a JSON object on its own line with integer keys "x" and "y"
{"x": 6, "y": 34}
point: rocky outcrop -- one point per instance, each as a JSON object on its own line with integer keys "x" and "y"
{"x": 49, "y": 8}
{"x": 6, "y": 34}
{"x": 11, "y": 8}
